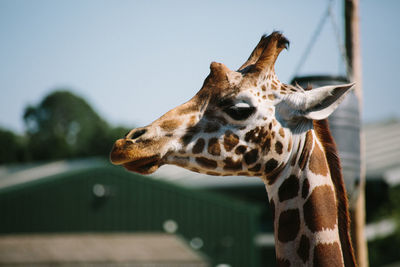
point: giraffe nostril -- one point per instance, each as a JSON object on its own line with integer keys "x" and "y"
{"x": 138, "y": 133}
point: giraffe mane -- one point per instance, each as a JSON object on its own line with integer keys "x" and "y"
{"x": 323, "y": 133}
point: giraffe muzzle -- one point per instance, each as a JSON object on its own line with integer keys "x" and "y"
{"x": 133, "y": 158}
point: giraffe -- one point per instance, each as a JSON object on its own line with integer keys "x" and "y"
{"x": 248, "y": 123}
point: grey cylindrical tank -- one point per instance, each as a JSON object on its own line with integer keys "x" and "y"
{"x": 345, "y": 127}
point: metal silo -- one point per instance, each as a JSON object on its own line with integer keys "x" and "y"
{"x": 345, "y": 126}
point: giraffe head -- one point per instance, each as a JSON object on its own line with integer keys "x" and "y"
{"x": 240, "y": 122}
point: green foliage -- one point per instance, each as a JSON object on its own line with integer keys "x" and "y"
{"x": 394, "y": 211}
{"x": 13, "y": 147}
{"x": 385, "y": 250}
{"x": 377, "y": 202}
{"x": 64, "y": 125}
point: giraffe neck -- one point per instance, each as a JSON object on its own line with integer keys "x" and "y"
{"x": 305, "y": 206}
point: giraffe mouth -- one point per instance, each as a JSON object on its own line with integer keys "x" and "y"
{"x": 146, "y": 165}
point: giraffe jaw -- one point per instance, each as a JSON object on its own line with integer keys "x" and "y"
{"x": 144, "y": 165}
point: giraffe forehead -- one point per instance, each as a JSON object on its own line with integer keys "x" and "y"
{"x": 264, "y": 92}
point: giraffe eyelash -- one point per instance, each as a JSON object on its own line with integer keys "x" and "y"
{"x": 239, "y": 113}
{"x": 225, "y": 102}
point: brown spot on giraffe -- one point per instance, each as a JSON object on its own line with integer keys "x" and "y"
{"x": 271, "y": 165}
{"x": 187, "y": 109}
{"x": 288, "y": 225}
{"x": 199, "y": 146}
{"x": 271, "y": 177}
{"x": 328, "y": 255}
{"x": 251, "y": 136}
{"x": 271, "y": 97}
{"x": 266, "y": 145}
{"x": 282, "y": 132}
{"x": 304, "y": 249}
{"x": 306, "y": 150}
{"x": 192, "y": 120}
{"x": 272, "y": 170}
{"x": 190, "y": 132}
{"x": 274, "y": 85}
{"x": 230, "y": 140}
{"x": 185, "y": 140}
{"x": 305, "y": 188}
{"x": 232, "y": 165}
{"x": 289, "y": 188}
{"x": 262, "y": 135}
{"x": 317, "y": 163}
{"x": 255, "y": 168}
{"x": 213, "y": 147}
{"x": 320, "y": 209}
{"x": 251, "y": 156}
{"x": 206, "y": 163}
{"x": 279, "y": 147}
{"x": 170, "y": 125}
{"x": 240, "y": 150}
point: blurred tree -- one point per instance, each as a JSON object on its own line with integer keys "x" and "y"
{"x": 64, "y": 125}
{"x": 12, "y": 147}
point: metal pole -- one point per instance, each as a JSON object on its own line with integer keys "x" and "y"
{"x": 352, "y": 39}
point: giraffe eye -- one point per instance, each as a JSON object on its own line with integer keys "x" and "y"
{"x": 240, "y": 111}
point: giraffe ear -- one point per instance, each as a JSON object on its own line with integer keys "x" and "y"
{"x": 318, "y": 103}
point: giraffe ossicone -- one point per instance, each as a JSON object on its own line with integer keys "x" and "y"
{"x": 248, "y": 123}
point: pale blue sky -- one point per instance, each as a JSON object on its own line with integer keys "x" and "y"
{"x": 135, "y": 60}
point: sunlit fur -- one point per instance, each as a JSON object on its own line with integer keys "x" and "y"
{"x": 248, "y": 123}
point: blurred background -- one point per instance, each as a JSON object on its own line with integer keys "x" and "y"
{"x": 77, "y": 75}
